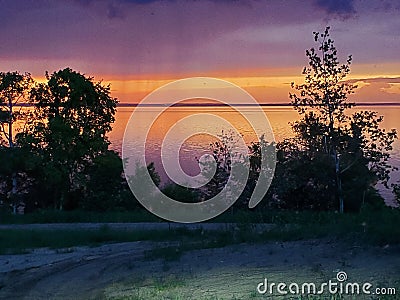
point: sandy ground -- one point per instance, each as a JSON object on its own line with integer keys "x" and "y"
{"x": 122, "y": 271}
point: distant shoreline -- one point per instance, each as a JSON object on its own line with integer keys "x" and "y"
{"x": 223, "y": 105}
{"x": 243, "y": 104}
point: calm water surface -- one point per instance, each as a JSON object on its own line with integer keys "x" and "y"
{"x": 197, "y": 145}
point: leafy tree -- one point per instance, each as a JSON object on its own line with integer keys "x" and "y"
{"x": 105, "y": 186}
{"x": 72, "y": 117}
{"x": 396, "y": 192}
{"x": 147, "y": 188}
{"x": 181, "y": 193}
{"x": 222, "y": 158}
{"x": 344, "y": 151}
{"x": 14, "y": 91}
{"x": 259, "y": 158}
{"x": 19, "y": 164}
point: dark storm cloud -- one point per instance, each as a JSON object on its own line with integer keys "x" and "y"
{"x": 337, "y": 7}
{"x": 116, "y": 9}
{"x": 139, "y": 1}
{"x": 86, "y": 2}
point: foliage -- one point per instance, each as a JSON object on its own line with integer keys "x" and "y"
{"x": 259, "y": 157}
{"x": 224, "y": 156}
{"x": 396, "y": 191}
{"x": 324, "y": 89}
{"x": 181, "y": 193}
{"x": 104, "y": 188}
{"x": 147, "y": 188}
{"x": 60, "y": 157}
{"x": 14, "y": 90}
{"x": 221, "y": 154}
{"x": 19, "y": 164}
{"x": 334, "y": 158}
{"x": 151, "y": 169}
{"x": 68, "y": 131}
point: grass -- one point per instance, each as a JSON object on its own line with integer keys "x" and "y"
{"x": 258, "y": 215}
{"x": 371, "y": 228}
{"x": 16, "y": 241}
{"x": 78, "y": 216}
{"x": 179, "y": 287}
{"x": 376, "y": 233}
{"x": 148, "y": 288}
{"x": 163, "y": 287}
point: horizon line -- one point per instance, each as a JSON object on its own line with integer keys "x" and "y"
{"x": 129, "y": 104}
{"x": 244, "y": 104}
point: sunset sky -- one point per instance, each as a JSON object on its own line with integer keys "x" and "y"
{"x": 138, "y": 45}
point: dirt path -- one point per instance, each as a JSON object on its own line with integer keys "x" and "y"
{"x": 76, "y": 274}
{"x": 120, "y": 271}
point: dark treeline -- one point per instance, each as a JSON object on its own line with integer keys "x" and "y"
{"x": 60, "y": 156}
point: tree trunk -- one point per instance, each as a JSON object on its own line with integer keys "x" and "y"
{"x": 10, "y": 122}
{"x": 11, "y": 145}
{"x": 339, "y": 183}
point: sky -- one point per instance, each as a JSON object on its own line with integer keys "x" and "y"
{"x": 139, "y": 45}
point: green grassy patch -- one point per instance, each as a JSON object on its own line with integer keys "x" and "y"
{"x": 78, "y": 216}
{"x": 20, "y": 241}
{"x": 366, "y": 229}
{"x": 147, "y": 288}
{"x": 372, "y": 228}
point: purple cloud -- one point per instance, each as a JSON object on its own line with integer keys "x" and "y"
{"x": 119, "y": 37}
{"x": 337, "y": 7}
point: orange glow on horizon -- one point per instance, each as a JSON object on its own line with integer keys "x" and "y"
{"x": 273, "y": 89}
{"x": 266, "y": 86}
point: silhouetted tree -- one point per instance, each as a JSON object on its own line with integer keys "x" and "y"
{"x": 105, "y": 187}
{"x": 181, "y": 193}
{"x": 345, "y": 152}
{"x": 72, "y": 117}
{"x": 224, "y": 156}
{"x": 14, "y": 91}
{"x": 396, "y": 192}
{"x": 223, "y": 162}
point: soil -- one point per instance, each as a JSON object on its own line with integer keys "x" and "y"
{"x": 124, "y": 271}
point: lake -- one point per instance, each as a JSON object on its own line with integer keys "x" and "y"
{"x": 197, "y": 145}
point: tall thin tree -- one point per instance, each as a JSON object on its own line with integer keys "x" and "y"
{"x": 14, "y": 92}
{"x": 322, "y": 101}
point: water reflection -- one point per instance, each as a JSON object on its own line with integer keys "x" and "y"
{"x": 198, "y": 145}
